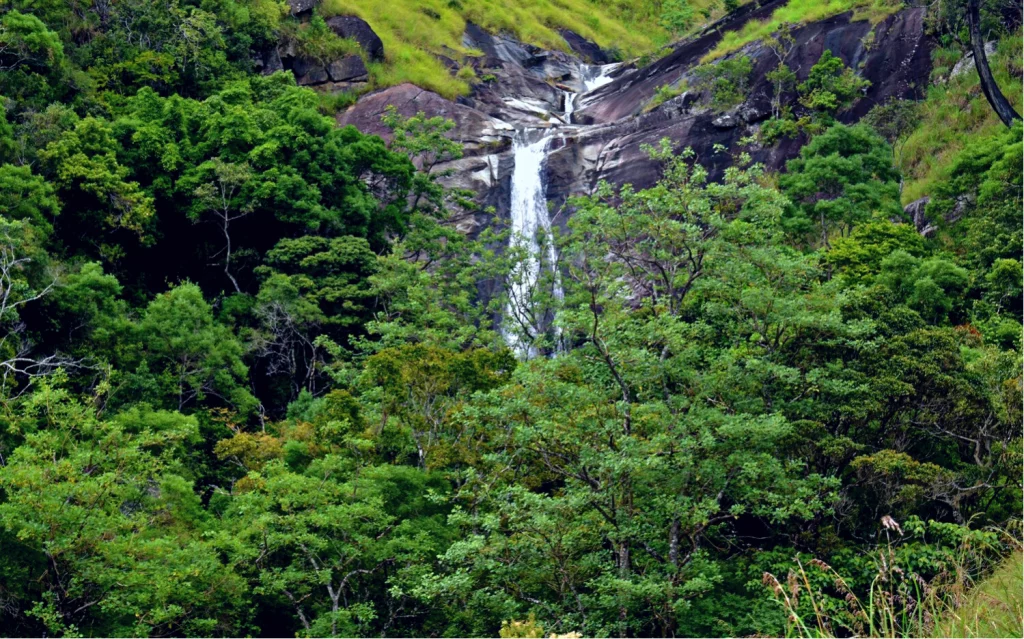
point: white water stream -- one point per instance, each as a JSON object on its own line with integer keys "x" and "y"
{"x": 529, "y": 211}
{"x": 529, "y": 217}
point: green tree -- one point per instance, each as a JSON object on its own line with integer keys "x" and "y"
{"x": 615, "y": 461}
{"x": 830, "y": 87}
{"x": 312, "y": 287}
{"x": 180, "y": 356}
{"x": 842, "y": 178}
{"x": 223, "y": 198}
{"x": 102, "y": 532}
{"x": 726, "y": 81}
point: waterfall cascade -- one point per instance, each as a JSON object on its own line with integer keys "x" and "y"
{"x": 529, "y": 209}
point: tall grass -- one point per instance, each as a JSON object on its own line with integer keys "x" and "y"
{"x": 801, "y": 12}
{"x": 900, "y": 603}
{"x": 954, "y": 113}
{"x": 993, "y": 609}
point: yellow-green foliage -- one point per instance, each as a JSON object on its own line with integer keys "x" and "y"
{"x": 955, "y": 113}
{"x": 802, "y": 12}
{"x": 412, "y": 30}
{"x": 994, "y": 608}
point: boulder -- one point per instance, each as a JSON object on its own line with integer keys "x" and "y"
{"x": 448, "y": 63}
{"x": 269, "y": 62}
{"x": 479, "y": 133}
{"x": 308, "y": 72}
{"x": 585, "y": 49}
{"x": 358, "y": 30}
{"x": 301, "y": 7}
{"x": 348, "y": 69}
{"x": 966, "y": 63}
{"x": 915, "y": 211}
{"x": 497, "y": 49}
{"x": 725, "y": 122}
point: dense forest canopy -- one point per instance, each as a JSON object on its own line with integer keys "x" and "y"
{"x": 257, "y": 381}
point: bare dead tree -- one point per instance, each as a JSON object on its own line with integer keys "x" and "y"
{"x": 220, "y": 199}
{"x": 19, "y": 363}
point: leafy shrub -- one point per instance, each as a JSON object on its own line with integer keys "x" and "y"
{"x": 316, "y": 41}
{"x": 830, "y": 87}
{"x": 726, "y": 82}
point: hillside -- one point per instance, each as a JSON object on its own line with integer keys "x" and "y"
{"x": 522, "y": 318}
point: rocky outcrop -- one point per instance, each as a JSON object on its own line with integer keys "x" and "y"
{"x": 604, "y": 138}
{"x": 585, "y": 49}
{"x": 487, "y": 161}
{"x": 476, "y": 131}
{"x": 344, "y": 74}
{"x": 628, "y": 95}
{"x": 897, "y": 64}
{"x": 338, "y": 75}
{"x": 301, "y": 7}
{"x": 966, "y": 64}
{"x": 359, "y": 30}
{"x": 915, "y": 212}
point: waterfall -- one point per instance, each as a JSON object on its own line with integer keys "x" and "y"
{"x": 594, "y": 76}
{"x": 529, "y": 208}
{"x": 570, "y": 106}
{"x": 529, "y": 215}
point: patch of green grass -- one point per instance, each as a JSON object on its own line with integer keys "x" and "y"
{"x": 413, "y": 30}
{"x": 663, "y": 94}
{"x": 802, "y": 12}
{"x": 994, "y": 608}
{"x": 954, "y": 114}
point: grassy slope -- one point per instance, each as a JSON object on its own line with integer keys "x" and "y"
{"x": 414, "y": 30}
{"x": 954, "y": 113}
{"x": 994, "y": 608}
{"x": 802, "y": 12}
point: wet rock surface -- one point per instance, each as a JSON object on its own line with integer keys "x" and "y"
{"x": 603, "y": 136}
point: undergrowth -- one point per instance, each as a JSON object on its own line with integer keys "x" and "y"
{"x": 994, "y": 608}
{"x": 902, "y": 600}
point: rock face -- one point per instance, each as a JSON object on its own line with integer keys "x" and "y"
{"x": 358, "y": 30}
{"x": 600, "y": 119}
{"x": 486, "y": 165}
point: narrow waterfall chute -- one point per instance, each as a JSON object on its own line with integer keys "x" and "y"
{"x": 529, "y": 213}
{"x": 595, "y": 77}
{"x": 529, "y": 217}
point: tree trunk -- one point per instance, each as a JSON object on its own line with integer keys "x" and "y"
{"x": 995, "y": 97}
{"x": 227, "y": 252}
